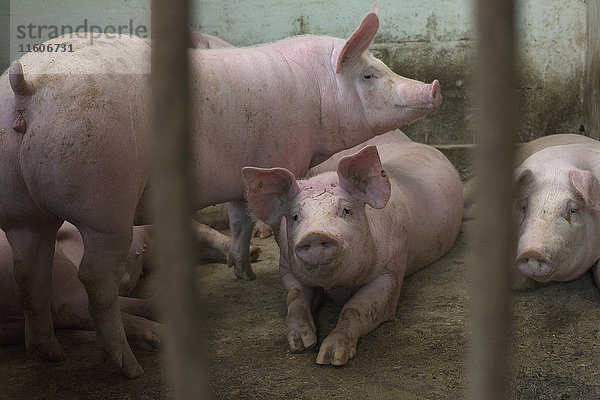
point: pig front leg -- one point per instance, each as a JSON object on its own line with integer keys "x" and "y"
{"x": 33, "y": 253}
{"x": 301, "y": 302}
{"x": 371, "y": 305}
{"x": 241, "y": 224}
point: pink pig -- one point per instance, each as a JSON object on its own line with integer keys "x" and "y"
{"x": 68, "y": 298}
{"x": 355, "y": 232}
{"x": 557, "y": 209}
{"x": 74, "y": 145}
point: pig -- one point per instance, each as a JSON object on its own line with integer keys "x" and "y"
{"x": 69, "y": 302}
{"x": 354, "y": 232}
{"x": 74, "y": 146}
{"x": 71, "y": 245}
{"x": 557, "y": 210}
{"x": 68, "y": 298}
{"x": 197, "y": 40}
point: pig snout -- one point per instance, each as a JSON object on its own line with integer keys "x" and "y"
{"x": 533, "y": 263}
{"x": 435, "y": 94}
{"x": 317, "y": 248}
{"x": 418, "y": 95}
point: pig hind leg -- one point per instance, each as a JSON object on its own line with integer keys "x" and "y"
{"x": 33, "y": 254}
{"x": 241, "y": 224}
{"x": 101, "y": 270}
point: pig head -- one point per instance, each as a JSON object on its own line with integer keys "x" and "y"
{"x": 328, "y": 236}
{"x": 558, "y": 220}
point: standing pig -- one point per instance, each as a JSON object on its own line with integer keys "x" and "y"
{"x": 74, "y": 145}
{"x": 237, "y": 252}
{"x": 558, "y": 209}
{"x": 355, "y": 232}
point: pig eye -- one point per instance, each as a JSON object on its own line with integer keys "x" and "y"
{"x": 571, "y": 209}
{"x": 367, "y": 76}
{"x": 295, "y": 217}
{"x": 347, "y": 211}
{"x": 521, "y": 206}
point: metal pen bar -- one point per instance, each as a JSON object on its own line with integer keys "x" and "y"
{"x": 495, "y": 97}
{"x": 172, "y": 207}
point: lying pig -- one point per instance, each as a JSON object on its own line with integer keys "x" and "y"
{"x": 69, "y": 302}
{"x": 68, "y": 298}
{"x": 355, "y": 232}
{"x": 557, "y": 209}
{"x": 74, "y": 145}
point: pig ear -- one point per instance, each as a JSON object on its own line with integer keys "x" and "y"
{"x": 362, "y": 171}
{"x": 359, "y": 41}
{"x": 267, "y": 191}
{"x": 523, "y": 177}
{"x": 587, "y": 186}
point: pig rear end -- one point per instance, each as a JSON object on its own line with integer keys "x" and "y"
{"x": 62, "y": 157}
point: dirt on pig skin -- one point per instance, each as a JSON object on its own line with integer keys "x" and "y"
{"x": 420, "y": 354}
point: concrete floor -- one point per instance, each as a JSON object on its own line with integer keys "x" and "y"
{"x": 421, "y": 354}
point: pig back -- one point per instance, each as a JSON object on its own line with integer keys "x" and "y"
{"x": 395, "y": 136}
{"x": 543, "y": 142}
{"x": 427, "y": 192}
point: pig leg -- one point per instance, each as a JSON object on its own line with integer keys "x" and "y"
{"x": 216, "y": 245}
{"x": 241, "y": 224}
{"x": 371, "y": 305}
{"x": 143, "y": 331}
{"x": 33, "y": 253}
{"x": 301, "y": 302}
{"x": 101, "y": 271}
{"x": 140, "y": 307}
{"x": 136, "y": 315}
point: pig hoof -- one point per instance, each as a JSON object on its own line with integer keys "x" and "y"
{"x": 254, "y": 253}
{"x": 245, "y": 274}
{"x": 48, "y": 349}
{"x": 125, "y": 362}
{"x": 302, "y": 340}
{"x": 243, "y": 271}
{"x": 336, "y": 351}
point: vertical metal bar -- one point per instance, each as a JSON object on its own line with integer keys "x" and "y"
{"x": 171, "y": 200}
{"x": 495, "y": 99}
{"x": 591, "y": 85}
